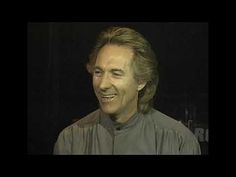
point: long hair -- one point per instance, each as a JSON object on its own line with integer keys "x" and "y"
{"x": 144, "y": 65}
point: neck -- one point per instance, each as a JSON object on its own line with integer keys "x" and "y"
{"x": 123, "y": 117}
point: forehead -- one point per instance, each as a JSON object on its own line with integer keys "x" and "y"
{"x": 114, "y": 56}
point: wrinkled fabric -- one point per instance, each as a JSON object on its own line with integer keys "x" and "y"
{"x": 153, "y": 133}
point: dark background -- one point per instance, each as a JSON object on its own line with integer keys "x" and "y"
{"x": 60, "y": 89}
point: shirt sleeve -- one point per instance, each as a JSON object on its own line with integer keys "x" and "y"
{"x": 63, "y": 143}
{"x": 190, "y": 146}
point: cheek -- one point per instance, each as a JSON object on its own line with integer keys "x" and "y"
{"x": 95, "y": 82}
{"x": 129, "y": 90}
{"x": 95, "y": 86}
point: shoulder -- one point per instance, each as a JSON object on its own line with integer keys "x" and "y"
{"x": 165, "y": 123}
{"x": 87, "y": 121}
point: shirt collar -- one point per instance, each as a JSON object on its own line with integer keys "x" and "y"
{"x": 111, "y": 125}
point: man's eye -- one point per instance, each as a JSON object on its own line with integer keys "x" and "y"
{"x": 97, "y": 72}
{"x": 117, "y": 74}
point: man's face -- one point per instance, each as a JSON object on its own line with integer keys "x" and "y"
{"x": 113, "y": 81}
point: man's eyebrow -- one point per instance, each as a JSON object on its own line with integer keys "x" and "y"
{"x": 97, "y": 67}
{"x": 113, "y": 70}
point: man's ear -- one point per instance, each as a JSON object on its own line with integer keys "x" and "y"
{"x": 141, "y": 85}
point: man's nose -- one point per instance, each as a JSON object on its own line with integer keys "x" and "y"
{"x": 105, "y": 82}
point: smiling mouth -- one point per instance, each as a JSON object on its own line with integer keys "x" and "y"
{"x": 107, "y": 98}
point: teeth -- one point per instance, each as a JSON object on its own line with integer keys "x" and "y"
{"x": 108, "y": 96}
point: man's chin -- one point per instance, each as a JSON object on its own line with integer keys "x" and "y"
{"x": 109, "y": 111}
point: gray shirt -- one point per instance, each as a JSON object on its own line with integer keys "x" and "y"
{"x": 153, "y": 133}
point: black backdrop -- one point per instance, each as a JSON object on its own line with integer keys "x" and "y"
{"x": 60, "y": 89}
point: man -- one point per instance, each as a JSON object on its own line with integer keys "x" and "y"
{"x": 125, "y": 78}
